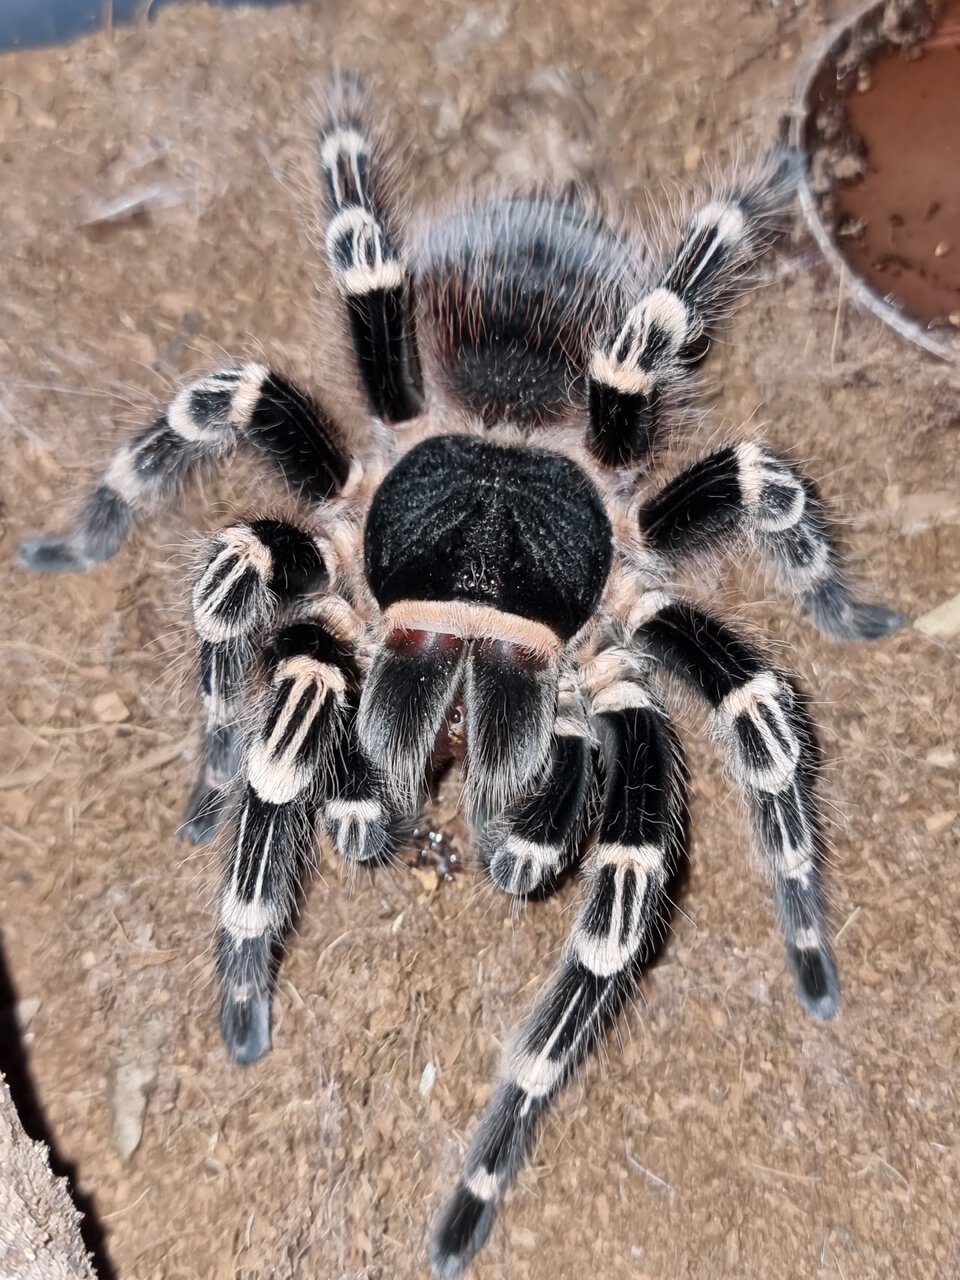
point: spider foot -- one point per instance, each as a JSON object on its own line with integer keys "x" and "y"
{"x": 245, "y": 998}
{"x": 837, "y": 613}
{"x": 206, "y": 813}
{"x": 50, "y": 553}
{"x": 519, "y": 866}
{"x": 816, "y": 981}
{"x": 461, "y": 1233}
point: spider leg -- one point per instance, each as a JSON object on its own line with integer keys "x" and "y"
{"x": 528, "y": 846}
{"x": 204, "y": 421}
{"x": 773, "y": 757}
{"x": 368, "y": 269}
{"x": 745, "y": 489}
{"x": 288, "y": 766}
{"x": 639, "y": 846}
{"x": 635, "y": 375}
{"x": 248, "y": 573}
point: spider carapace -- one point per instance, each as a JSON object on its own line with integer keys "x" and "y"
{"x": 495, "y": 553}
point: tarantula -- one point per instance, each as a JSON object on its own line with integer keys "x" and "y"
{"x": 494, "y": 558}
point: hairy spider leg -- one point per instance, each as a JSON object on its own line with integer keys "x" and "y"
{"x": 772, "y": 755}
{"x": 745, "y": 489}
{"x": 640, "y": 842}
{"x": 205, "y": 421}
{"x": 248, "y": 573}
{"x": 637, "y": 374}
{"x": 368, "y": 268}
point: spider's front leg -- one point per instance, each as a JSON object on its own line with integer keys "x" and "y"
{"x": 747, "y": 491}
{"x": 205, "y": 421}
{"x": 640, "y": 841}
{"x": 642, "y": 371}
{"x": 249, "y": 573}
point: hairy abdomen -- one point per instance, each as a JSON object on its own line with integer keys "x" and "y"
{"x": 511, "y": 294}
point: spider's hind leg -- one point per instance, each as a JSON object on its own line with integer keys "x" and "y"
{"x": 644, "y": 368}
{"x": 368, "y": 268}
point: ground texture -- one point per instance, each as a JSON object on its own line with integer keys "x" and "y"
{"x": 728, "y": 1136}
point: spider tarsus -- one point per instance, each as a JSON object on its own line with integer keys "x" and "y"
{"x": 519, "y": 876}
{"x": 206, "y": 813}
{"x": 816, "y": 981}
{"x": 833, "y": 609}
{"x": 245, "y": 969}
{"x": 50, "y": 553}
{"x": 872, "y": 621}
{"x": 522, "y": 868}
{"x": 462, "y": 1231}
{"x": 245, "y": 1025}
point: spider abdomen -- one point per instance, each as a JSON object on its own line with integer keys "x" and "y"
{"x": 511, "y": 290}
{"x": 519, "y": 530}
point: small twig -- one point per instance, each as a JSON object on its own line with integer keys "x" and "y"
{"x": 26, "y": 778}
{"x": 808, "y": 1179}
{"x": 847, "y": 923}
{"x": 837, "y": 318}
{"x": 651, "y": 1177}
{"x": 68, "y": 730}
{"x": 127, "y": 1207}
{"x": 152, "y": 760}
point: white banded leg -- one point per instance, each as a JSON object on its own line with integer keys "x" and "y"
{"x": 526, "y": 848}
{"x": 204, "y": 421}
{"x": 772, "y": 755}
{"x": 640, "y": 840}
{"x": 634, "y": 375}
{"x": 288, "y": 764}
{"x": 369, "y": 272}
{"x": 248, "y": 572}
{"x": 747, "y": 489}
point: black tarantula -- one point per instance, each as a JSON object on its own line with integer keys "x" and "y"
{"x": 495, "y": 553}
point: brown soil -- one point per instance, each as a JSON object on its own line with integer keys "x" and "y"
{"x": 149, "y": 223}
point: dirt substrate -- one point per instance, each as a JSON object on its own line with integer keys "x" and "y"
{"x": 150, "y": 221}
